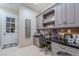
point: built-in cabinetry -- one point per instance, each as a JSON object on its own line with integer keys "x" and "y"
{"x": 58, "y": 15}
{"x": 36, "y": 41}
{"x": 77, "y": 14}
{"x": 49, "y": 19}
{"x": 65, "y": 14}
{"x": 61, "y": 15}
{"x": 70, "y": 14}
{"x": 39, "y": 20}
{"x": 46, "y": 19}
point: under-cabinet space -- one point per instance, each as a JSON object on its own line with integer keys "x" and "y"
{"x": 68, "y": 36}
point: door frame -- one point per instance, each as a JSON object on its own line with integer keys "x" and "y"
{"x": 4, "y": 28}
{"x": 30, "y": 27}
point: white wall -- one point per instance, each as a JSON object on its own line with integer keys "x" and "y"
{"x": 0, "y": 31}
{"x": 26, "y": 13}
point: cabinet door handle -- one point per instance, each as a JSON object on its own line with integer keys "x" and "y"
{"x": 65, "y": 22}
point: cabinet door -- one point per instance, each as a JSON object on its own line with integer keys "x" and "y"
{"x": 36, "y": 42}
{"x": 71, "y": 14}
{"x": 58, "y": 15}
{"x": 64, "y": 15}
{"x": 39, "y": 21}
{"x": 77, "y": 14}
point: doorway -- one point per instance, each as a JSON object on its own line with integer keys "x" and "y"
{"x": 10, "y": 32}
{"x": 27, "y": 28}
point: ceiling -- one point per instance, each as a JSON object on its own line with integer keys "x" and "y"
{"x": 38, "y": 7}
{"x": 11, "y": 6}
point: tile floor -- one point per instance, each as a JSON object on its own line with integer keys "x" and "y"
{"x": 26, "y": 51}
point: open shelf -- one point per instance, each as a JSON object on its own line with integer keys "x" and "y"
{"x": 49, "y": 20}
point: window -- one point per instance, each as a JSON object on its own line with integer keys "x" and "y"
{"x": 10, "y": 25}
